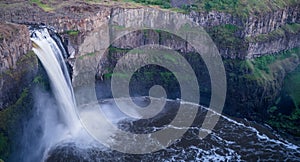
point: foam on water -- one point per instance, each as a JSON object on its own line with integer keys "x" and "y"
{"x": 63, "y": 131}
{"x": 258, "y": 134}
{"x": 230, "y": 140}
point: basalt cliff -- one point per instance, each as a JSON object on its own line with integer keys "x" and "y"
{"x": 258, "y": 50}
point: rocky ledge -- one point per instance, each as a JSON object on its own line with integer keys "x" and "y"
{"x": 85, "y": 28}
{"x": 18, "y": 63}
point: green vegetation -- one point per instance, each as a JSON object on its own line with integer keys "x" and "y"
{"x": 250, "y": 75}
{"x": 25, "y": 62}
{"x": 220, "y": 5}
{"x": 225, "y": 37}
{"x": 243, "y": 7}
{"x": 117, "y": 75}
{"x": 272, "y": 109}
{"x": 260, "y": 69}
{"x": 189, "y": 8}
{"x": 188, "y": 28}
{"x": 287, "y": 121}
{"x": 285, "y": 114}
{"x": 225, "y": 32}
{"x": 12, "y": 114}
{"x": 171, "y": 58}
{"x": 72, "y": 32}
{"x": 4, "y": 145}
{"x": 8, "y": 118}
{"x": 119, "y": 27}
{"x": 292, "y": 86}
{"x": 27, "y": 59}
{"x": 42, "y": 5}
{"x": 292, "y": 28}
{"x": 42, "y": 82}
{"x": 145, "y": 76}
{"x": 262, "y": 76}
{"x": 38, "y": 79}
{"x": 94, "y": 0}
{"x": 269, "y": 36}
{"x": 117, "y": 50}
{"x": 8, "y": 114}
{"x": 262, "y": 63}
{"x": 87, "y": 55}
{"x": 237, "y": 7}
{"x": 161, "y": 3}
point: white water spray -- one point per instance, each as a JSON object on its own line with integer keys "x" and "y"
{"x": 65, "y": 125}
{"x": 51, "y": 57}
{"x": 61, "y": 124}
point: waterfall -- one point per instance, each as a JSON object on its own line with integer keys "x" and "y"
{"x": 62, "y": 123}
{"x": 51, "y": 57}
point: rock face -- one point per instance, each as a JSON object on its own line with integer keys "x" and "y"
{"x": 87, "y": 29}
{"x": 85, "y": 18}
{"x": 14, "y": 44}
{"x": 253, "y": 26}
{"x": 287, "y": 40}
{"x": 17, "y": 64}
{"x": 82, "y": 17}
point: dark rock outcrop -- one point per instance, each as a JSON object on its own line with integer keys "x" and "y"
{"x": 84, "y": 17}
{"x": 86, "y": 27}
{"x": 18, "y": 63}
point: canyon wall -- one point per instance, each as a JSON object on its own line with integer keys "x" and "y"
{"x": 18, "y": 64}
{"x": 84, "y": 17}
{"x": 87, "y": 29}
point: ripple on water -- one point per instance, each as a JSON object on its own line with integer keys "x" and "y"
{"x": 229, "y": 140}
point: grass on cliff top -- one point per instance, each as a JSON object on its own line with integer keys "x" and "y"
{"x": 161, "y": 3}
{"x": 46, "y": 7}
{"x": 123, "y": 3}
{"x": 72, "y": 32}
{"x": 237, "y": 7}
{"x": 245, "y": 7}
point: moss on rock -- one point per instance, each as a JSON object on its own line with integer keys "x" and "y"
{"x": 285, "y": 114}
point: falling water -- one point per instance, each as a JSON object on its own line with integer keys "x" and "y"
{"x": 230, "y": 140}
{"x": 51, "y": 56}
